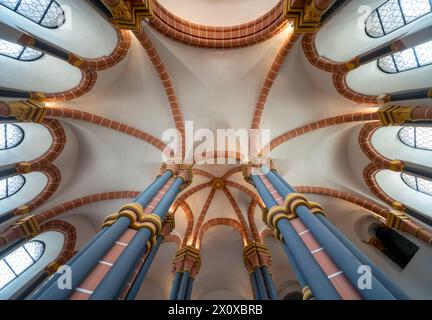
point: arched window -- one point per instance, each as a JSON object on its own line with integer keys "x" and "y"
{"x": 416, "y": 137}
{"x": 10, "y": 186}
{"x": 17, "y": 262}
{"x": 418, "y": 184}
{"x": 395, "y": 14}
{"x": 408, "y": 59}
{"x": 47, "y": 13}
{"x": 11, "y": 136}
{"x": 15, "y": 51}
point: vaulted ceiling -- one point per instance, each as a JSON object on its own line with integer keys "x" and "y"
{"x": 215, "y": 89}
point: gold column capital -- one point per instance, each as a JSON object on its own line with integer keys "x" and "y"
{"x": 395, "y": 218}
{"x": 394, "y": 115}
{"x": 187, "y": 259}
{"x": 307, "y": 293}
{"x": 396, "y": 165}
{"x": 26, "y": 111}
{"x": 288, "y": 211}
{"x": 256, "y": 254}
{"x": 29, "y": 225}
{"x": 129, "y": 15}
{"x": 24, "y": 167}
{"x": 185, "y": 171}
{"x": 137, "y": 220}
{"x": 305, "y": 18}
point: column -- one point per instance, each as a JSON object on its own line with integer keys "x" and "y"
{"x": 406, "y": 41}
{"x": 102, "y": 268}
{"x": 399, "y": 115}
{"x": 186, "y": 265}
{"x": 26, "y": 40}
{"x": 138, "y": 276}
{"x": 257, "y": 259}
{"x": 328, "y": 261}
{"x": 127, "y": 14}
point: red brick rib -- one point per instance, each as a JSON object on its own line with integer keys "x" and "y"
{"x": 107, "y": 123}
{"x": 344, "y": 118}
{"x": 205, "y": 36}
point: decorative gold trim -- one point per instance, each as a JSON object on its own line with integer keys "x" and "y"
{"x": 29, "y": 225}
{"x": 307, "y": 293}
{"x": 27, "y": 111}
{"x": 396, "y": 165}
{"x": 395, "y": 218}
{"x": 128, "y": 15}
{"x": 395, "y": 115}
{"x": 6, "y": 240}
{"x": 24, "y": 167}
{"x": 75, "y": 60}
{"x": 306, "y": 19}
{"x": 22, "y": 210}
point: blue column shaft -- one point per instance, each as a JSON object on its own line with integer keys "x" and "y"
{"x": 11, "y": 247}
{"x": 255, "y": 286}
{"x": 165, "y": 203}
{"x": 149, "y": 193}
{"x": 144, "y": 269}
{"x": 7, "y": 216}
{"x": 175, "y": 286}
{"x": 112, "y": 284}
{"x": 183, "y": 286}
{"x": 277, "y": 183}
{"x": 87, "y": 260}
{"x": 189, "y": 288}
{"x": 55, "y": 276}
{"x": 389, "y": 284}
{"x": 8, "y": 171}
{"x": 271, "y": 290}
{"x": 298, "y": 273}
{"x": 318, "y": 281}
{"x": 263, "y": 192}
{"x": 341, "y": 256}
{"x": 260, "y": 283}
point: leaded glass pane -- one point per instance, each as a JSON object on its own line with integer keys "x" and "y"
{"x": 417, "y": 137}
{"x": 47, "y": 13}
{"x": 405, "y": 60}
{"x": 11, "y": 135}
{"x": 6, "y": 274}
{"x": 418, "y": 184}
{"x": 35, "y": 249}
{"x": 424, "y": 53}
{"x": 30, "y": 54}
{"x": 373, "y": 25}
{"x": 408, "y": 59}
{"x": 18, "y": 52}
{"x": 33, "y": 9}
{"x": 424, "y": 186}
{"x": 10, "y": 186}
{"x": 3, "y": 189}
{"x": 391, "y": 16}
{"x": 413, "y": 10}
{"x": 11, "y": 4}
{"x": 10, "y": 49}
{"x": 19, "y": 260}
{"x": 407, "y": 136}
{"x": 54, "y": 17}
{"x": 387, "y": 64}
{"x": 424, "y": 137}
{"x": 409, "y": 180}
{"x": 395, "y": 14}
